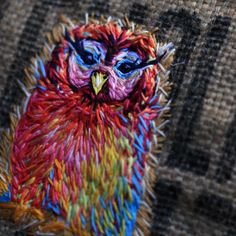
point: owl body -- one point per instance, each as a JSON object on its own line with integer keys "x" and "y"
{"x": 87, "y": 155}
{"x": 81, "y": 148}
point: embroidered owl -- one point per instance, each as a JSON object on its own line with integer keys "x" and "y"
{"x": 81, "y": 154}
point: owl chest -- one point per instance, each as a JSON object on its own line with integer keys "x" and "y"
{"x": 72, "y": 135}
{"x": 75, "y": 153}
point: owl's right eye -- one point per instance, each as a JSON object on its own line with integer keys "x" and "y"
{"x": 88, "y": 53}
{"x": 87, "y": 59}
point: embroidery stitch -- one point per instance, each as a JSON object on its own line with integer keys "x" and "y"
{"x": 82, "y": 152}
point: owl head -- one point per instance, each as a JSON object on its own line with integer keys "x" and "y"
{"x": 106, "y": 62}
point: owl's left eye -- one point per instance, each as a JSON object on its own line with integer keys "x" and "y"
{"x": 126, "y": 68}
{"x": 127, "y": 64}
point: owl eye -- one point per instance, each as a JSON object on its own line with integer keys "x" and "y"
{"x": 88, "y": 58}
{"x": 88, "y": 53}
{"x": 125, "y": 68}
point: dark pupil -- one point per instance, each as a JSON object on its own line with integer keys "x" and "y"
{"x": 125, "y": 67}
{"x": 87, "y": 57}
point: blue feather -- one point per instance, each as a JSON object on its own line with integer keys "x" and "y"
{"x": 6, "y": 196}
{"x": 143, "y": 123}
{"x": 140, "y": 149}
{"x": 83, "y": 220}
{"x": 42, "y": 68}
{"x": 123, "y": 119}
{"x": 156, "y": 107}
{"x": 41, "y": 87}
{"x": 47, "y": 203}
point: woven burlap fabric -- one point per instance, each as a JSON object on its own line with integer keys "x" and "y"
{"x": 196, "y": 186}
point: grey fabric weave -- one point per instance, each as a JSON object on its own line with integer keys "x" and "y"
{"x": 196, "y": 186}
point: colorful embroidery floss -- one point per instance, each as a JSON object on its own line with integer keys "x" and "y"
{"x": 81, "y": 154}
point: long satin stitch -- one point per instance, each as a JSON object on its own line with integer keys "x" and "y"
{"x": 82, "y": 152}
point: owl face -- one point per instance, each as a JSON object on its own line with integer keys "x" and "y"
{"x": 116, "y": 78}
{"x": 106, "y": 62}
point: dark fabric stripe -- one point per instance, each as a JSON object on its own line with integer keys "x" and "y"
{"x": 231, "y": 232}
{"x": 227, "y": 161}
{"x": 167, "y": 193}
{"x": 25, "y": 50}
{"x": 4, "y": 4}
{"x": 216, "y": 208}
{"x": 182, "y": 154}
{"x": 188, "y": 26}
{"x": 138, "y": 13}
{"x": 99, "y": 7}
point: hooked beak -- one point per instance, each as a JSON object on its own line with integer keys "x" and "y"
{"x": 98, "y": 80}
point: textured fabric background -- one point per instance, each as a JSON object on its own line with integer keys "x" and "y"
{"x": 196, "y": 188}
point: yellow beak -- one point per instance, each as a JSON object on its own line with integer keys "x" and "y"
{"x": 98, "y": 80}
